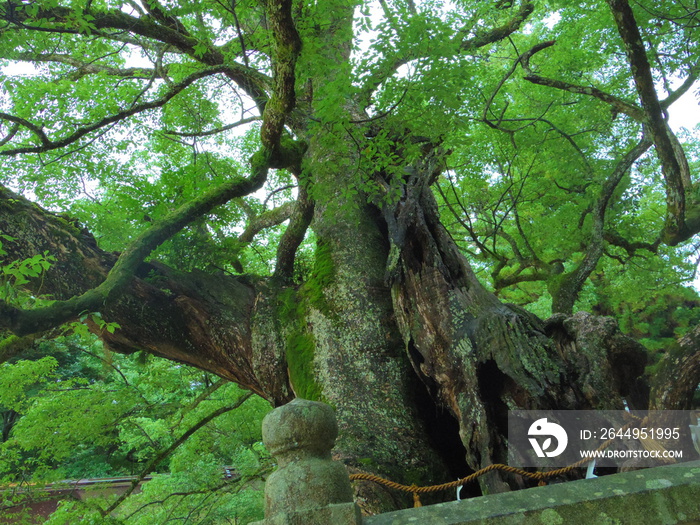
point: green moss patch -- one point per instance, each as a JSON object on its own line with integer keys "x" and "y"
{"x": 293, "y": 308}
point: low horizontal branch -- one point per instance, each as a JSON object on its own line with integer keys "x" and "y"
{"x": 24, "y": 322}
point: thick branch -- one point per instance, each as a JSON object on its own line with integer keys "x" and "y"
{"x": 203, "y": 320}
{"x": 266, "y": 220}
{"x": 566, "y": 288}
{"x": 293, "y": 236}
{"x": 23, "y": 322}
{"x": 518, "y": 277}
{"x": 614, "y": 238}
{"x": 286, "y": 48}
{"x": 672, "y": 157}
{"x": 157, "y": 11}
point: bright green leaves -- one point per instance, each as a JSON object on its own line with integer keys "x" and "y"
{"x": 16, "y": 274}
{"x": 19, "y": 379}
{"x": 55, "y": 427}
{"x": 125, "y": 415}
{"x": 85, "y": 322}
{"x": 20, "y": 272}
{"x": 200, "y": 48}
{"x": 83, "y": 22}
{"x": 144, "y": 436}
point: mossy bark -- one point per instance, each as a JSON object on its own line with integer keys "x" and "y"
{"x": 392, "y": 327}
{"x": 677, "y": 378}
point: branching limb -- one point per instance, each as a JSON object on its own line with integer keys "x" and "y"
{"x": 49, "y": 145}
{"x": 520, "y": 277}
{"x": 157, "y": 11}
{"x": 614, "y": 238}
{"x": 463, "y": 217}
{"x": 388, "y": 66}
{"x": 169, "y": 32}
{"x": 210, "y": 491}
{"x": 566, "y": 288}
{"x": 150, "y": 467}
{"x": 674, "y": 163}
{"x": 214, "y": 131}
{"x": 513, "y": 245}
{"x": 266, "y": 220}
{"x": 496, "y": 34}
{"x": 36, "y": 130}
{"x": 489, "y": 102}
{"x": 693, "y": 75}
{"x": 10, "y": 134}
{"x": 286, "y": 49}
{"x": 272, "y": 154}
{"x": 498, "y": 123}
{"x": 390, "y": 17}
{"x": 84, "y": 68}
{"x": 618, "y": 104}
{"x": 293, "y": 236}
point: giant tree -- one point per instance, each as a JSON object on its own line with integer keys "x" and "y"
{"x": 310, "y": 257}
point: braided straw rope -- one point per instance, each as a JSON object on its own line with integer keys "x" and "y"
{"x": 538, "y": 476}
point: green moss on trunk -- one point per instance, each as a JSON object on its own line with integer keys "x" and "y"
{"x": 293, "y": 311}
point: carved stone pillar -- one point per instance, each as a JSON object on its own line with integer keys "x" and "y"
{"x": 309, "y": 488}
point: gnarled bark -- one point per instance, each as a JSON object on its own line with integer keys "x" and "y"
{"x": 366, "y": 336}
{"x": 481, "y": 357}
{"x": 677, "y": 376}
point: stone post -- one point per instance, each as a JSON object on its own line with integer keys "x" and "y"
{"x": 308, "y": 488}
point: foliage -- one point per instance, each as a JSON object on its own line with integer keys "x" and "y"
{"x": 136, "y": 409}
{"x": 16, "y": 274}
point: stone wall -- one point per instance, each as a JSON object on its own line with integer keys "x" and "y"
{"x": 655, "y": 496}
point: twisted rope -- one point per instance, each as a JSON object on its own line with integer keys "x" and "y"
{"x": 540, "y": 477}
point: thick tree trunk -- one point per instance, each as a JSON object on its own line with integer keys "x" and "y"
{"x": 393, "y": 329}
{"x": 332, "y": 339}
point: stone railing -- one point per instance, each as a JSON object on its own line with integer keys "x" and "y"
{"x": 309, "y": 488}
